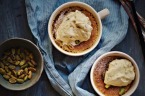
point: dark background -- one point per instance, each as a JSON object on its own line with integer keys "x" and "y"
{"x": 13, "y": 23}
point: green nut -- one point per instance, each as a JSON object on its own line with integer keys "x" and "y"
{"x": 17, "y": 62}
{"x": 26, "y": 52}
{"x": 2, "y": 71}
{"x": 2, "y": 65}
{"x": 12, "y": 80}
{"x": 32, "y": 69}
{"x": 27, "y": 58}
{"x": 18, "y": 58}
{"x": 22, "y": 55}
{"x": 122, "y": 91}
{"x": 77, "y": 41}
{"x": 26, "y": 70}
{"x": 30, "y": 64}
{"x": 14, "y": 72}
{"x": 9, "y": 60}
{"x": 13, "y": 57}
{"x": 7, "y": 77}
{"x": 33, "y": 62}
{"x": 31, "y": 55}
{"x": 30, "y": 74}
{"x": 12, "y": 67}
{"x": 13, "y": 51}
{"x": 107, "y": 86}
{"x": 25, "y": 78}
{"x": 22, "y": 62}
{"x": 9, "y": 73}
{"x": 12, "y": 76}
{"x": 20, "y": 80}
{"x": 22, "y": 76}
{"x": 19, "y": 72}
{"x": 7, "y": 69}
{"x": 24, "y": 66}
{"x": 18, "y": 51}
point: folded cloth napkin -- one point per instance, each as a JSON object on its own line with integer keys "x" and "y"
{"x": 70, "y": 75}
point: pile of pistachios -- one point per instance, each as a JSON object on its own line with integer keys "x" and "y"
{"x": 17, "y": 65}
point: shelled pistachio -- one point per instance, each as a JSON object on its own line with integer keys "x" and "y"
{"x": 17, "y": 65}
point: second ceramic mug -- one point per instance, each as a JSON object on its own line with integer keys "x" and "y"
{"x": 97, "y": 15}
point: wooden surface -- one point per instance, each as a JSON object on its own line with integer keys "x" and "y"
{"x": 13, "y": 23}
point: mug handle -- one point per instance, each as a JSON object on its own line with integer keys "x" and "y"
{"x": 103, "y": 13}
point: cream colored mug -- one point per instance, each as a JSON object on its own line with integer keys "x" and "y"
{"x": 97, "y": 15}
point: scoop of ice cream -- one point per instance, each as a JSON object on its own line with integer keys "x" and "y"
{"x": 120, "y": 73}
{"x": 74, "y": 29}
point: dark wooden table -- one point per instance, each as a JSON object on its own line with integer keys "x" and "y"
{"x": 13, "y": 23}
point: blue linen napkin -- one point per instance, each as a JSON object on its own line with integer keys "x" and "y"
{"x": 69, "y": 75}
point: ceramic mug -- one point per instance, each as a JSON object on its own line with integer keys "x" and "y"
{"x": 135, "y": 82}
{"x": 97, "y": 15}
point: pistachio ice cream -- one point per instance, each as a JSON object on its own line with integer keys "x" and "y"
{"x": 74, "y": 29}
{"x": 120, "y": 73}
